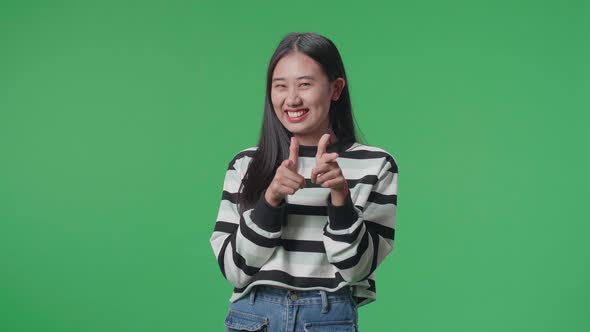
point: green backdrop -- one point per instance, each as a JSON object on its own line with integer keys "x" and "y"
{"x": 118, "y": 118}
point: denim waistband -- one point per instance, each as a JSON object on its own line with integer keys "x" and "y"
{"x": 294, "y": 297}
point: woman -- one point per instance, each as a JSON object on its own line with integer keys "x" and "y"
{"x": 308, "y": 214}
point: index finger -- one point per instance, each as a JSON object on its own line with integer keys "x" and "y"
{"x": 294, "y": 150}
{"x": 322, "y": 145}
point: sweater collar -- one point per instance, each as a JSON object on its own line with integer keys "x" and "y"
{"x": 339, "y": 147}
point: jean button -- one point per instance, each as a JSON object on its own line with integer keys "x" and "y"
{"x": 293, "y": 297}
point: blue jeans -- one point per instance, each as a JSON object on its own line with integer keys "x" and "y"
{"x": 274, "y": 309}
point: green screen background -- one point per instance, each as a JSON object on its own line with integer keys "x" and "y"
{"x": 118, "y": 119}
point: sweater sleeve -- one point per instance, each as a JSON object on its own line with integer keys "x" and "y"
{"x": 242, "y": 243}
{"x": 357, "y": 239}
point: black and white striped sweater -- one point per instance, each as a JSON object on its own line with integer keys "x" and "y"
{"x": 306, "y": 243}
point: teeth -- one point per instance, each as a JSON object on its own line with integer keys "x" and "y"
{"x": 296, "y": 114}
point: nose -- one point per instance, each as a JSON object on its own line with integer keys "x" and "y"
{"x": 293, "y": 98}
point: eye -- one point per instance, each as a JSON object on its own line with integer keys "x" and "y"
{"x": 305, "y": 84}
{"x": 279, "y": 86}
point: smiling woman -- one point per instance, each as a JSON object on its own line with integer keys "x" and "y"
{"x": 308, "y": 214}
{"x": 301, "y": 95}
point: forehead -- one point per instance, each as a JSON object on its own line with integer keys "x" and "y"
{"x": 295, "y": 65}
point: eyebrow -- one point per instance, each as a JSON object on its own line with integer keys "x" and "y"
{"x": 299, "y": 78}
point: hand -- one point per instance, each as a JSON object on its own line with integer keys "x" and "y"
{"x": 286, "y": 180}
{"x": 327, "y": 171}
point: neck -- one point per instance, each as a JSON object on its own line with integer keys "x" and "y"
{"x": 313, "y": 140}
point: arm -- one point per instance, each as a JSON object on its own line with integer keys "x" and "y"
{"x": 243, "y": 243}
{"x": 357, "y": 240}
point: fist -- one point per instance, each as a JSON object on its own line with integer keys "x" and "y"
{"x": 286, "y": 180}
{"x": 327, "y": 172}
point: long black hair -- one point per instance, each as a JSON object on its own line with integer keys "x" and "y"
{"x": 274, "y": 141}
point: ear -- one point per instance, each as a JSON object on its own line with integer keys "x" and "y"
{"x": 337, "y": 87}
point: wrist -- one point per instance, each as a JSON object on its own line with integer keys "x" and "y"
{"x": 271, "y": 200}
{"x": 340, "y": 197}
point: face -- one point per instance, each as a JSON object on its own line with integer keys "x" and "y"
{"x": 300, "y": 86}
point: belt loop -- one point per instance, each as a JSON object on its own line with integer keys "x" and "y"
{"x": 252, "y": 294}
{"x": 324, "y": 301}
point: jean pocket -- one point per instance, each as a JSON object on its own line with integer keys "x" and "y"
{"x": 330, "y": 326}
{"x": 245, "y": 321}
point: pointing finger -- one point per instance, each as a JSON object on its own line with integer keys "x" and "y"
{"x": 322, "y": 146}
{"x": 294, "y": 151}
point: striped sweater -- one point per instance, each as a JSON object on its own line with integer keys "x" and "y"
{"x": 306, "y": 243}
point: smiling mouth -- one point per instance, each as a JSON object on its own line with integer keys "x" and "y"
{"x": 298, "y": 113}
